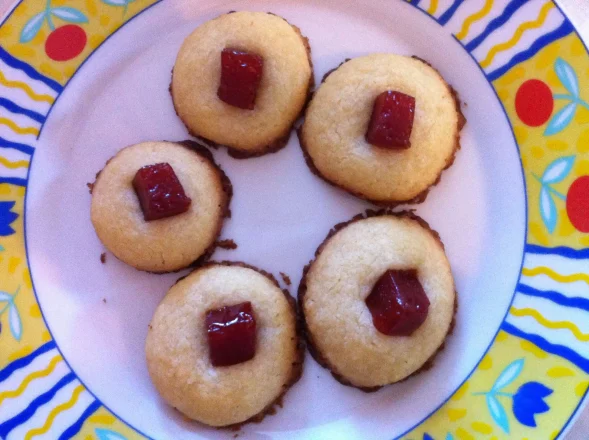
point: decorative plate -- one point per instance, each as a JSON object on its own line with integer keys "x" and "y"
{"x": 83, "y": 78}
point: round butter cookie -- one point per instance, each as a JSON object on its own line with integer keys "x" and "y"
{"x": 336, "y": 288}
{"x": 334, "y": 133}
{"x": 282, "y": 54}
{"x": 166, "y": 244}
{"x": 180, "y": 358}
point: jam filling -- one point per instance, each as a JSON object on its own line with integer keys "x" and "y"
{"x": 391, "y": 122}
{"x": 160, "y": 192}
{"x": 241, "y": 73}
{"x": 398, "y": 303}
{"x": 231, "y": 332}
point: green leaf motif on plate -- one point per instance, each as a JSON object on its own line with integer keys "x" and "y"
{"x": 568, "y": 78}
{"x": 14, "y": 320}
{"x": 107, "y": 434}
{"x": 555, "y": 172}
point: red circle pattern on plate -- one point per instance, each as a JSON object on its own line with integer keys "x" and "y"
{"x": 578, "y": 204}
{"x": 65, "y": 42}
{"x": 534, "y": 102}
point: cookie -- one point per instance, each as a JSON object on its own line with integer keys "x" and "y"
{"x": 179, "y": 353}
{"x": 167, "y": 244}
{"x": 334, "y": 133}
{"x": 287, "y": 76}
{"x": 339, "y": 326}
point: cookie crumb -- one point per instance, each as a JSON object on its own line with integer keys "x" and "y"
{"x": 103, "y": 257}
{"x": 104, "y": 300}
{"x": 226, "y": 244}
{"x": 285, "y": 278}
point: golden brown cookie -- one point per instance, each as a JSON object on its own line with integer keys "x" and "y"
{"x": 334, "y": 288}
{"x": 286, "y": 80}
{"x": 168, "y": 244}
{"x": 337, "y": 118}
{"x": 178, "y": 352}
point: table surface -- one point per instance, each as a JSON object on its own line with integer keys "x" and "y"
{"x": 578, "y": 12}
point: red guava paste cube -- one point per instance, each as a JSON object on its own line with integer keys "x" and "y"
{"x": 391, "y": 122}
{"x": 231, "y": 332}
{"x": 398, "y": 303}
{"x": 241, "y": 73}
{"x": 160, "y": 192}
